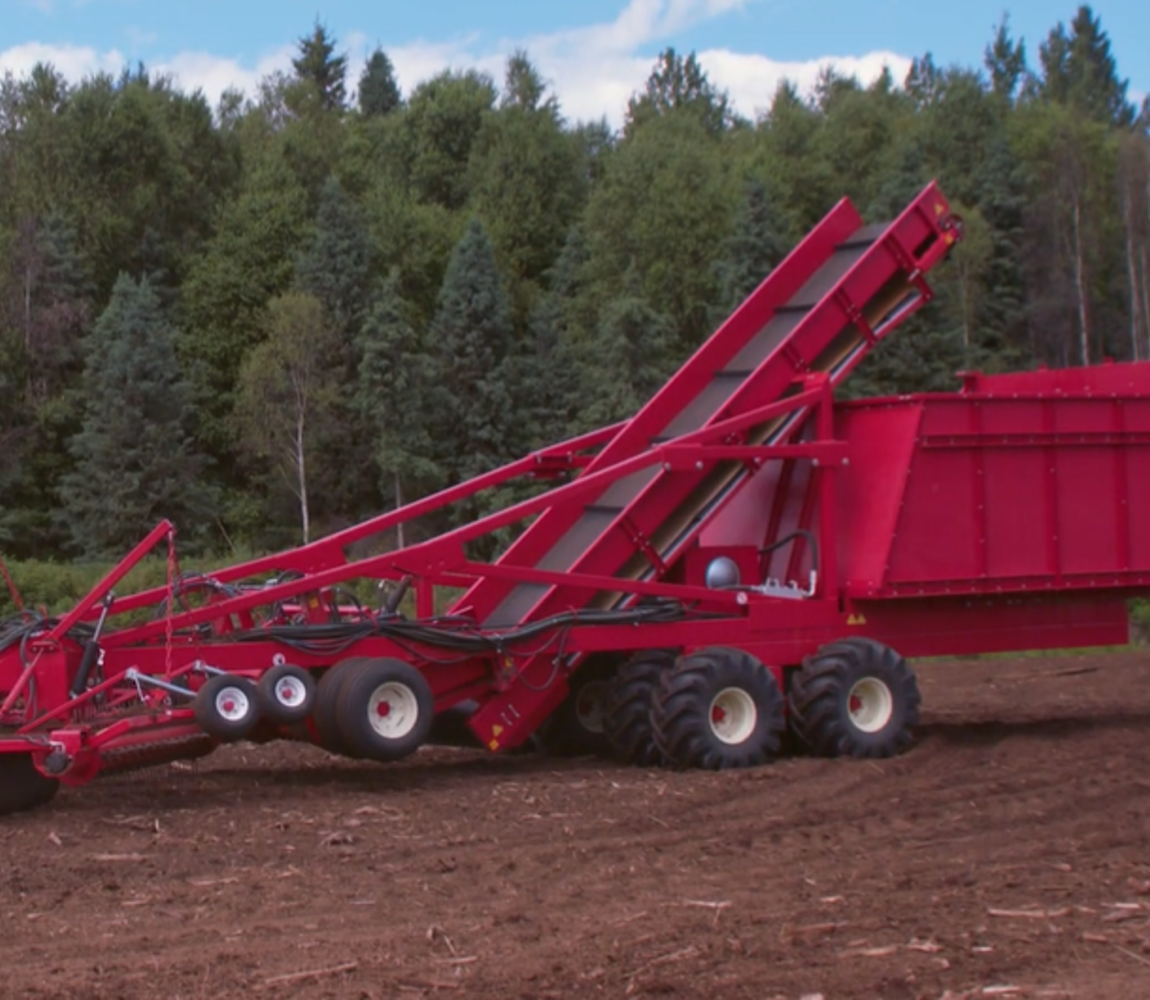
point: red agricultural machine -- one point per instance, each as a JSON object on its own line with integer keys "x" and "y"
{"x": 740, "y": 558}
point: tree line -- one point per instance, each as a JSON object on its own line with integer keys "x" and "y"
{"x": 274, "y": 317}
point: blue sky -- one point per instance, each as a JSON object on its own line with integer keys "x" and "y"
{"x": 594, "y": 52}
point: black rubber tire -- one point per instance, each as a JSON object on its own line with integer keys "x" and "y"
{"x": 354, "y": 709}
{"x": 631, "y": 696}
{"x": 577, "y": 728}
{"x": 820, "y": 700}
{"x": 272, "y": 703}
{"x": 22, "y": 786}
{"x": 210, "y": 703}
{"x": 683, "y": 706}
{"x": 327, "y": 704}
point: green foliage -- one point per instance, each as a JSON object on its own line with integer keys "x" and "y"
{"x": 251, "y": 260}
{"x": 631, "y": 356}
{"x": 679, "y": 84}
{"x": 317, "y": 63}
{"x": 378, "y": 91}
{"x": 657, "y": 221}
{"x": 59, "y": 587}
{"x": 286, "y": 390}
{"x": 1079, "y": 69}
{"x": 441, "y": 122}
{"x": 752, "y": 250}
{"x": 471, "y": 338}
{"x": 525, "y": 175}
{"x": 136, "y": 461}
{"x": 490, "y": 277}
{"x": 338, "y": 267}
{"x": 397, "y": 395}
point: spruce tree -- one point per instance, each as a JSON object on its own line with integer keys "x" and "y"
{"x": 338, "y": 265}
{"x": 679, "y": 83}
{"x": 396, "y": 399}
{"x": 378, "y": 90}
{"x": 318, "y": 63}
{"x": 1005, "y": 61}
{"x": 1079, "y": 69}
{"x": 631, "y": 358}
{"x": 548, "y": 377}
{"x": 135, "y": 460}
{"x": 470, "y": 338}
{"x": 753, "y": 250}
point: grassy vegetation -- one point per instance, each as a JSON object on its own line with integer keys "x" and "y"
{"x": 58, "y": 587}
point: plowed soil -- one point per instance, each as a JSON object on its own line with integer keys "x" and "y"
{"x": 1007, "y": 854}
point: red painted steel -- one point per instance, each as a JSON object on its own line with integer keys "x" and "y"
{"x": 994, "y": 518}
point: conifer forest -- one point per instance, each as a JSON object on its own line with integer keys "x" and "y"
{"x": 271, "y": 318}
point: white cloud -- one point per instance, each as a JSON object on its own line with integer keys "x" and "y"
{"x": 74, "y": 61}
{"x": 596, "y": 69}
{"x": 593, "y": 69}
{"x": 215, "y": 74}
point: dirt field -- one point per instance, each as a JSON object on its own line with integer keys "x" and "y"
{"x": 1008, "y": 854}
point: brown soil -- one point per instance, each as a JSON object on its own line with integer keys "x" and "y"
{"x": 1007, "y": 854}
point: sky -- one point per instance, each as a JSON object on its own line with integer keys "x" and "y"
{"x": 593, "y": 53}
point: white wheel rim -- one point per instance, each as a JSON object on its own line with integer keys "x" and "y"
{"x": 290, "y": 691}
{"x": 871, "y": 705}
{"x": 393, "y": 710}
{"x": 232, "y": 704}
{"x": 733, "y": 716}
{"x": 591, "y": 706}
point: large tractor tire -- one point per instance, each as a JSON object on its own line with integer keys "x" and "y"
{"x": 577, "y": 728}
{"x": 630, "y": 700}
{"x": 717, "y": 709}
{"x": 854, "y": 698}
{"x": 385, "y": 710}
{"x": 327, "y": 693}
{"x": 22, "y": 786}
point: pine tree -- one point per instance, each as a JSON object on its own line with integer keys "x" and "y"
{"x": 318, "y": 63}
{"x": 630, "y": 360}
{"x": 523, "y": 87}
{"x": 378, "y": 91}
{"x": 47, "y": 317}
{"x": 1005, "y": 61}
{"x": 1079, "y": 69}
{"x": 339, "y": 264}
{"x": 396, "y": 398}
{"x": 525, "y": 176}
{"x": 470, "y": 338}
{"x": 753, "y": 249}
{"x": 135, "y": 460}
{"x": 680, "y": 84}
{"x": 548, "y": 377}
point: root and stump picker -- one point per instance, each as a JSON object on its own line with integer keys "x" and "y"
{"x": 741, "y": 558}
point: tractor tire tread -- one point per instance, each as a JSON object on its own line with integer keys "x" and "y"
{"x": 682, "y": 704}
{"x": 819, "y": 717}
{"x": 630, "y": 729}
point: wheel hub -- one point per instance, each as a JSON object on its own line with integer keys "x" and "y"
{"x": 232, "y": 704}
{"x": 289, "y": 691}
{"x": 870, "y": 704}
{"x": 733, "y": 716}
{"x": 393, "y": 710}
